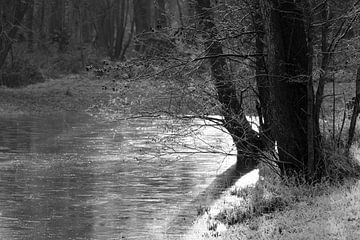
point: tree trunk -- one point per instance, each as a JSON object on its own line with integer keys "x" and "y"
{"x": 12, "y": 15}
{"x": 246, "y": 140}
{"x": 42, "y": 34}
{"x": 142, "y": 17}
{"x": 120, "y": 28}
{"x": 111, "y": 25}
{"x": 86, "y": 23}
{"x": 325, "y": 60}
{"x": 56, "y": 17}
{"x": 288, "y": 64}
{"x": 29, "y": 26}
{"x": 355, "y": 113}
{"x": 57, "y": 24}
{"x": 160, "y": 14}
{"x": 262, "y": 78}
{"x": 181, "y": 17}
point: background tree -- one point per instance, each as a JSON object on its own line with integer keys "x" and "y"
{"x": 12, "y": 14}
{"x": 29, "y": 25}
{"x": 160, "y": 14}
{"x": 143, "y": 23}
{"x": 113, "y": 19}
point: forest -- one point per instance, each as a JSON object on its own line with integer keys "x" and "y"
{"x": 291, "y": 63}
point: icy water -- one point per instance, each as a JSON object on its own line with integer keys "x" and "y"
{"x": 73, "y": 177}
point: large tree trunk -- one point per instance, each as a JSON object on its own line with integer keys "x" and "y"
{"x": 246, "y": 140}
{"x": 289, "y": 71}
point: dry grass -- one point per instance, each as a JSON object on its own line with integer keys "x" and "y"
{"x": 274, "y": 210}
{"x": 332, "y": 215}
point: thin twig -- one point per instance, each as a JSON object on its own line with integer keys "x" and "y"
{"x": 230, "y": 55}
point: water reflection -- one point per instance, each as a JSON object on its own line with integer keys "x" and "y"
{"x": 70, "y": 177}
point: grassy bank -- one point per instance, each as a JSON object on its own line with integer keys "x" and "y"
{"x": 331, "y": 214}
{"x": 112, "y": 90}
{"x": 69, "y": 93}
{"x": 265, "y": 207}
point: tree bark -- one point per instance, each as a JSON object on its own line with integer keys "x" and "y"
{"x": 288, "y": 64}
{"x": 245, "y": 139}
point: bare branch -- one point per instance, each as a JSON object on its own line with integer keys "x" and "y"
{"x": 230, "y": 55}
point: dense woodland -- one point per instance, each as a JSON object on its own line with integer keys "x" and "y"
{"x": 272, "y": 58}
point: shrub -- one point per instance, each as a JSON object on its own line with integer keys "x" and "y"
{"x": 20, "y": 73}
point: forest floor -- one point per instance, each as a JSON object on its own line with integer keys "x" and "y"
{"x": 296, "y": 212}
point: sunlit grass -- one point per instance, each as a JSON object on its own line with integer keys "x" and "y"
{"x": 274, "y": 209}
{"x": 334, "y": 214}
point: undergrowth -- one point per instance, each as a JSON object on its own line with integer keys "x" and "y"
{"x": 290, "y": 208}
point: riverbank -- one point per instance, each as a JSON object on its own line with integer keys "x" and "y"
{"x": 72, "y": 93}
{"x": 103, "y": 96}
{"x": 80, "y": 93}
{"x": 259, "y": 206}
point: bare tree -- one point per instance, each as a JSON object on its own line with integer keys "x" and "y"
{"x": 29, "y": 25}
{"x": 143, "y": 23}
{"x": 114, "y": 26}
{"x": 12, "y": 14}
{"x": 246, "y": 139}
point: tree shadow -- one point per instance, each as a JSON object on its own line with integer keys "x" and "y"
{"x": 188, "y": 214}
